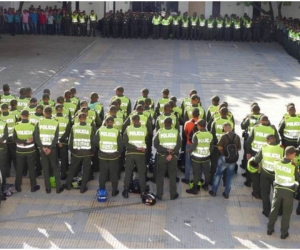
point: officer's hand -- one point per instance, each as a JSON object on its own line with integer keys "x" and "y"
{"x": 248, "y": 156}
{"x": 29, "y": 140}
{"x": 169, "y": 158}
{"x": 60, "y": 144}
{"x": 141, "y": 149}
{"x": 170, "y": 151}
{"x": 49, "y": 151}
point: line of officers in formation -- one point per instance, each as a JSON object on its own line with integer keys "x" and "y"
{"x": 183, "y": 26}
{"x": 35, "y": 134}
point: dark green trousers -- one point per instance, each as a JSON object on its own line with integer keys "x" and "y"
{"x": 266, "y": 183}
{"x": 109, "y": 168}
{"x": 255, "y": 178}
{"x": 164, "y": 166}
{"x": 64, "y": 159}
{"x": 137, "y": 160}
{"x": 198, "y": 168}
{"x": 50, "y": 162}
{"x": 77, "y": 162}
{"x": 285, "y": 198}
{"x": 214, "y": 162}
{"x": 25, "y": 159}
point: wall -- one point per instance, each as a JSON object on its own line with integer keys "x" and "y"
{"x": 122, "y": 5}
{"x": 183, "y": 6}
{"x": 98, "y": 8}
{"x": 6, "y": 5}
{"x": 291, "y": 11}
{"x": 198, "y": 7}
{"x": 231, "y": 8}
{"x": 43, "y": 4}
{"x": 208, "y": 9}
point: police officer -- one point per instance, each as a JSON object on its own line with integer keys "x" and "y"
{"x": 187, "y": 100}
{"x": 125, "y": 26}
{"x": 176, "y": 27}
{"x": 212, "y": 108}
{"x": 267, "y": 26}
{"x": 220, "y": 25}
{"x": 46, "y": 137}
{"x": 267, "y": 155}
{"x": 289, "y": 128}
{"x": 94, "y": 104}
{"x": 167, "y": 113}
{"x": 195, "y": 103}
{"x": 256, "y": 139}
{"x": 66, "y": 22}
{"x": 200, "y": 150}
{"x": 93, "y": 23}
{"x": 125, "y": 101}
{"x": 161, "y": 102}
{"x": 74, "y": 19}
{"x": 145, "y": 26}
{"x": 69, "y": 105}
{"x": 23, "y": 137}
{"x": 156, "y": 20}
{"x": 237, "y": 29}
{"x": 116, "y": 24}
{"x": 185, "y": 24}
{"x": 145, "y": 93}
{"x": 108, "y": 140}
{"x": 106, "y": 26}
{"x": 210, "y": 28}
{"x": 256, "y": 29}
{"x": 81, "y": 148}
{"x": 284, "y": 187}
{"x": 228, "y": 28}
{"x": 135, "y": 21}
{"x": 194, "y": 26}
{"x": 6, "y": 97}
{"x": 202, "y": 27}
{"x": 64, "y": 125}
{"x": 135, "y": 137}
{"x": 167, "y": 143}
{"x": 23, "y": 102}
{"x": 82, "y": 24}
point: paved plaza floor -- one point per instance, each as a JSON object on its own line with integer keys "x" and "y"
{"x": 240, "y": 73}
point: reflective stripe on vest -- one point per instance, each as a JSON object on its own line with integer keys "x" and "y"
{"x": 270, "y": 154}
{"x": 82, "y": 137}
{"x": 168, "y": 137}
{"x": 203, "y": 148}
{"x": 6, "y": 99}
{"x": 108, "y": 140}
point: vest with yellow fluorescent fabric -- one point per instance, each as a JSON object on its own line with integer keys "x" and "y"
{"x": 75, "y": 100}
{"x": 186, "y": 102}
{"x": 165, "y": 22}
{"x": 143, "y": 120}
{"x": 270, "y": 154}
{"x": 50, "y": 103}
{"x": 2, "y": 127}
{"x": 203, "y": 148}
{"x": 118, "y": 123}
{"x": 47, "y": 129}
{"x": 292, "y": 128}
{"x": 16, "y": 113}
{"x": 108, "y": 142}
{"x": 22, "y": 103}
{"x": 284, "y": 174}
{"x": 10, "y": 121}
{"x": 219, "y": 127}
{"x": 260, "y": 134}
{"x": 253, "y": 120}
{"x": 124, "y": 103}
{"x": 62, "y": 125}
{"x": 212, "y": 109}
{"x": 162, "y": 103}
{"x": 70, "y": 106}
{"x": 136, "y": 136}
{"x": 143, "y": 99}
{"x": 25, "y": 131}
{"x": 82, "y": 19}
{"x": 74, "y": 18}
{"x": 189, "y": 111}
{"x": 31, "y": 110}
{"x": 93, "y": 17}
{"x": 168, "y": 137}
{"x": 35, "y": 119}
{"x": 177, "y": 110}
{"x": 162, "y": 117}
{"x": 156, "y": 21}
{"x": 217, "y": 115}
{"x": 82, "y": 137}
{"x": 6, "y": 99}
{"x": 96, "y": 106}
{"x": 92, "y": 114}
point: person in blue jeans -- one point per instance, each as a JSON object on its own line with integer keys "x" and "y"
{"x": 18, "y": 22}
{"x": 222, "y": 164}
{"x": 33, "y": 21}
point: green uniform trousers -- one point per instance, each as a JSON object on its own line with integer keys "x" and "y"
{"x": 164, "y": 166}
{"x": 214, "y": 162}
{"x": 50, "y": 162}
{"x": 64, "y": 159}
{"x": 266, "y": 183}
{"x": 285, "y": 198}
{"x": 198, "y": 169}
{"x": 77, "y": 162}
{"x": 132, "y": 160}
{"x": 109, "y": 169}
{"x": 25, "y": 159}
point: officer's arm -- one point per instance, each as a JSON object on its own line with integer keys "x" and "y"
{"x": 185, "y": 117}
{"x": 281, "y": 128}
{"x": 129, "y": 107}
{"x": 211, "y": 146}
{"x": 249, "y": 141}
{"x": 55, "y": 139}
{"x": 136, "y": 103}
{"x": 204, "y": 116}
{"x": 157, "y": 145}
{"x": 94, "y": 129}
{"x": 177, "y": 124}
{"x": 276, "y": 135}
{"x": 209, "y": 124}
{"x": 125, "y": 139}
{"x": 149, "y": 127}
{"x": 126, "y": 124}
{"x": 66, "y": 134}
{"x": 70, "y": 143}
{"x": 232, "y": 119}
{"x": 5, "y": 135}
{"x": 213, "y": 132}
{"x": 120, "y": 144}
{"x": 208, "y": 116}
{"x": 93, "y": 146}
{"x": 194, "y": 143}
{"x": 178, "y": 145}
{"x": 97, "y": 120}
{"x": 258, "y": 157}
{"x": 157, "y": 125}
{"x": 96, "y": 139}
{"x": 36, "y": 135}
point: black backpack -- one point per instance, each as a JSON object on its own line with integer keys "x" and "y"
{"x": 195, "y": 129}
{"x": 231, "y": 153}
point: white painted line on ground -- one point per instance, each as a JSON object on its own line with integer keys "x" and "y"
{"x": 26, "y": 246}
{"x": 203, "y": 237}
{"x": 110, "y": 239}
{"x": 53, "y": 246}
{"x": 209, "y": 45}
{"x": 268, "y": 246}
{"x": 172, "y": 235}
{"x": 44, "y": 232}
{"x": 235, "y": 46}
{"x": 2, "y": 68}
{"x": 69, "y": 227}
{"x": 247, "y": 243}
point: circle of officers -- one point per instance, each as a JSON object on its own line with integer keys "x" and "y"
{"x": 36, "y": 137}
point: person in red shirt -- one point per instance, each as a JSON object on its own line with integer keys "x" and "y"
{"x": 188, "y": 130}
{"x": 42, "y": 20}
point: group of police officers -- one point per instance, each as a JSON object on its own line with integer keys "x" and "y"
{"x": 36, "y": 136}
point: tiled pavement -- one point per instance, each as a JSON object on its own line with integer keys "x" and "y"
{"x": 239, "y": 73}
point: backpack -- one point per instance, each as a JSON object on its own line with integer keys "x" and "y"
{"x": 231, "y": 153}
{"x": 195, "y": 129}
